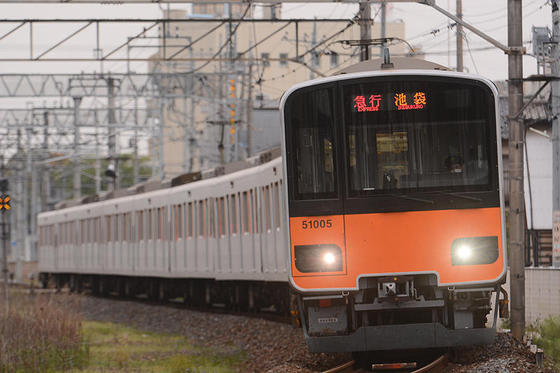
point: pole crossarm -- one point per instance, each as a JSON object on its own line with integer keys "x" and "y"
{"x": 94, "y": 85}
{"x": 62, "y": 118}
{"x": 106, "y": 51}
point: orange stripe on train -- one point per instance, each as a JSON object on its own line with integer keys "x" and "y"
{"x": 382, "y": 243}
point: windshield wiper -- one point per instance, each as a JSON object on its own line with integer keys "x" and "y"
{"x": 404, "y": 196}
{"x": 461, "y": 195}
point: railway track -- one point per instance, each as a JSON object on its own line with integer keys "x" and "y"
{"x": 211, "y": 308}
{"x": 436, "y": 366}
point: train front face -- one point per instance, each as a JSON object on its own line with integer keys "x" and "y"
{"x": 396, "y": 222}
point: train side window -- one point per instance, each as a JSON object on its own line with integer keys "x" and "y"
{"x": 211, "y": 218}
{"x": 178, "y": 221}
{"x": 246, "y": 212}
{"x": 221, "y": 216}
{"x": 158, "y": 224}
{"x": 200, "y": 222}
{"x": 128, "y": 226}
{"x": 233, "y": 214}
{"x": 119, "y": 231}
{"x": 140, "y": 225}
{"x": 107, "y": 235}
{"x": 277, "y": 207}
{"x": 255, "y": 210}
{"x": 266, "y": 209}
{"x": 165, "y": 223}
{"x": 95, "y": 232}
{"x": 150, "y": 229}
{"x": 184, "y": 220}
{"x": 114, "y": 227}
{"x": 190, "y": 220}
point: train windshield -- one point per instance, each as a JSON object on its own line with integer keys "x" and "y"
{"x": 416, "y": 136}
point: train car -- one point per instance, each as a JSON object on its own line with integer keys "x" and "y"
{"x": 395, "y": 208}
{"x": 213, "y": 241}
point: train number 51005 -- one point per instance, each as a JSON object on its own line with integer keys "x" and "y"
{"x": 316, "y": 224}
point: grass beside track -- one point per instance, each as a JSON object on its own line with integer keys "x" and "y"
{"x": 115, "y": 347}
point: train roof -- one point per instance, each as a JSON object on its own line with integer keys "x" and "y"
{"x": 397, "y": 63}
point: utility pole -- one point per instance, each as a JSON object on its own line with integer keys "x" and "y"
{"x": 459, "y": 36}
{"x": 383, "y": 28}
{"x": 555, "y": 86}
{"x": 365, "y": 30}
{"x": 249, "y": 139}
{"x": 516, "y": 237}
{"x": 20, "y": 217}
{"x": 44, "y": 168}
{"x": 135, "y": 165}
{"x": 112, "y": 133}
{"x": 77, "y": 172}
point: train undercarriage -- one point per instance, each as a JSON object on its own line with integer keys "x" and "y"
{"x": 243, "y": 296}
{"x": 399, "y": 312}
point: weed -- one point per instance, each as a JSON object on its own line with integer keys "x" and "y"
{"x": 39, "y": 335}
{"x": 546, "y": 335}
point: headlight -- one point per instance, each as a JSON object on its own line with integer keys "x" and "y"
{"x": 474, "y": 250}
{"x": 318, "y": 258}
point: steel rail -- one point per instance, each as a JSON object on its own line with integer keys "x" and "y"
{"x": 434, "y": 367}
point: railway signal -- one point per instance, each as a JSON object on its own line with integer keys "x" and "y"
{"x": 4, "y": 197}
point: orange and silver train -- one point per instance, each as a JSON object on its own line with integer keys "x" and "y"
{"x": 395, "y": 207}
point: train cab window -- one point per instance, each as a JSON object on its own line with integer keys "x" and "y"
{"x": 417, "y": 136}
{"x": 311, "y": 144}
{"x": 233, "y": 212}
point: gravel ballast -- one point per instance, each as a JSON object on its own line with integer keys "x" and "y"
{"x": 277, "y": 347}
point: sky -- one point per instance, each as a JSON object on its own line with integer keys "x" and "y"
{"x": 425, "y": 28}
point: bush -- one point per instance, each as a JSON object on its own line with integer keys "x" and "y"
{"x": 546, "y": 335}
{"x": 40, "y": 335}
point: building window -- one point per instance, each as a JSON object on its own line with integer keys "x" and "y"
{"x": 316, "y": 59}
{"x": 265, "y": 57}
{"x": 334, "y": 59}
{"x": 284, "y": 59}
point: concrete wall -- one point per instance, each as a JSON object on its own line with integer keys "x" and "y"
{"x": 542, "y": 293}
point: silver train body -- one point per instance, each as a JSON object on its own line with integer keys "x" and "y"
{"x": 226, "y": 228}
